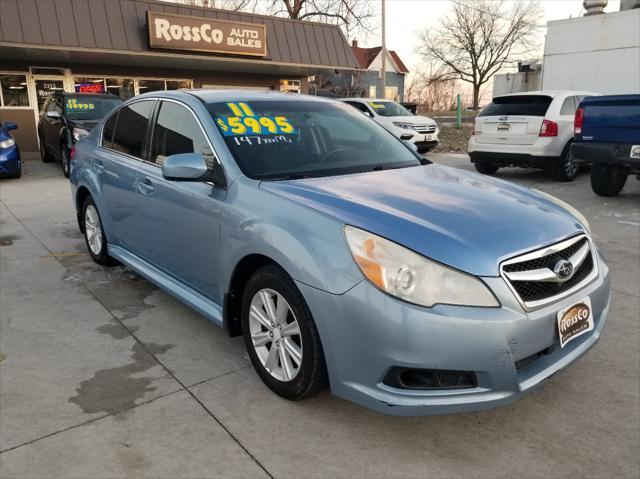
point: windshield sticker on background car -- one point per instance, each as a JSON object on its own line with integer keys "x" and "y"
{"x": 377, "y": 106}
{"x": 73, "y": 105}
{"x": 246, "y": 122}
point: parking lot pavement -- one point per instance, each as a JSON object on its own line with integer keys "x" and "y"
{"x": 104, "y": 375}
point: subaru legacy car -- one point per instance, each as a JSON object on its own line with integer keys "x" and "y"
{"x": 339, "y": 254}
{"x": 421, "y": 131}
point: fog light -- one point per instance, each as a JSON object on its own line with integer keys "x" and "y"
{"x": 410, "y": 378}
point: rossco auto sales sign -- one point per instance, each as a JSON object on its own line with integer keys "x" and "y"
{"x": 181, "y": 32}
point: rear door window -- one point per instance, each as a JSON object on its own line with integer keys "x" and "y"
{"x": 131, "y": 128}
{"x": 568, "y": 106}
{"x": 522, "y": 105}
{"x": 107, "y": 131}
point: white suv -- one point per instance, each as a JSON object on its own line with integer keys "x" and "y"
{"x": 419, "y": 130}
{"x": 529, "y": 129}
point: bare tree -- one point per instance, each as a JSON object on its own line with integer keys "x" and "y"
{"x": 432, "y": 88}
{"x": 233, "y": 5}
{"x": 480, "y": 37}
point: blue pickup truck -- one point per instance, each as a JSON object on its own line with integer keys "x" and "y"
{"x": 607, "y": 135}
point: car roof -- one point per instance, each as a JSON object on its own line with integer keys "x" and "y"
{"x": 365, "y": 100}
{"x": 219, "y": 96}
{"x": 551, "y": 93}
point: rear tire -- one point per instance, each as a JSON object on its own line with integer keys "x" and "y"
{"x": 608, "y": 180}
{"x": 46, "y": 157}
{"x": 285, "y": 349}
{"x": 94, "y": 236}
{"x": 65, "y": 159}
{"x": 486, "y": 168}
{"x": 565, "y": 168}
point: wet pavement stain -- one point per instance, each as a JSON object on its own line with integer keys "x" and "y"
{"x": 8, "y": 239}
{"x": 73, "y": 233}
{"x": 114, "y": 390}
{"x": 115, "y": 330}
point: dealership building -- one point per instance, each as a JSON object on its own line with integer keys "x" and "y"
{"x": 128, "y": 47}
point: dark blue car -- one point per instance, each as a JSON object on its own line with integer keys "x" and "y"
{"x": 10, "y": 164}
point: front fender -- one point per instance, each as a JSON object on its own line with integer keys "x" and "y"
{"x": 309, "y": 245}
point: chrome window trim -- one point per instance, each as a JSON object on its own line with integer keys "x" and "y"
{"x": 545, "y": 251}
{"x": 170, "y": 100}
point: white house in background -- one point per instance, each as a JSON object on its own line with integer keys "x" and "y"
{"x": 598, "y": 52}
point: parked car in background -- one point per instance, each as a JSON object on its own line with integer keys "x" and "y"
{"x": 338, "y": 252}
{"x": 607, "y": 134}
{"x": 530, "y": 130}
{"x": 10, "y": 163}
{"x": 419, "y": 130}
{"x": 67, "y": 117}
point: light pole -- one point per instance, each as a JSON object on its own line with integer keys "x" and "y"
{"x": 383, "y": 72}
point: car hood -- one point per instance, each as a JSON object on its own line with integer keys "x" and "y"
{"x": 414, "y": 120}
{"x": 84, "y": 124}
{"x": 459, "y": 218}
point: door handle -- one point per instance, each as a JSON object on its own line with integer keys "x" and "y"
{"x": 99, "y": 165}
{"x": 145, "y": 186}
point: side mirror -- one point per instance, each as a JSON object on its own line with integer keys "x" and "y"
{"x": 9, "y": 125}
{"x": 53, "y": 114}
{"x": 185, "y": 167}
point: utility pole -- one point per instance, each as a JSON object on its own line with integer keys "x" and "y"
{"x": 384, "y": 58}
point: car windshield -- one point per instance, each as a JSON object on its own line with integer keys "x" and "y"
{"x": 297, "y": 139}
{"x": 89, "y": 107}
{"x": 529, "y": 105}
{"x": 389, "y": 108}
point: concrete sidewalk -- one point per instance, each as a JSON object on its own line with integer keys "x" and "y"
{"x": 104, "y": 375}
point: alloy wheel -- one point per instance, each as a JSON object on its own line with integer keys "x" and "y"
{"x": 570, "y": 166}
{"x": 93, "y": 230}
{"x": 275, "y": 335}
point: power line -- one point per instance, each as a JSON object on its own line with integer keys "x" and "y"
{"x": 493, "y": 14}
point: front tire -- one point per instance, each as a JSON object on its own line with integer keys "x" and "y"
{"x": 94, "y": 235}
{"x": 280, "y": 335}
{"x": 46, "y": 157}
{"x": 565, "y": 168}
{"x": 486, "y": 168}
{"x": 607, "y": 180}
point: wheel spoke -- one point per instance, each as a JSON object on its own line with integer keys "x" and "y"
{"x": 269, "y": 307}
{"x": 291, "y": 329}
{"x": 293, "y": 350}
{"x": 282, "y": 311}
{"x": 272, "y": 359}
{"x": 285, "y": 364}
{"x": 260, "y": 339}
{"x": 257, "y": 314}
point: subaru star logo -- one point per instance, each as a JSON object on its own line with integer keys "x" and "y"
{"x": 563, "y": 269}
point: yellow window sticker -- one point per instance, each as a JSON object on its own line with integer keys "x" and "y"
{"x": 74, "y": 105}
{"x": 244, "y": 121}
{"x": 377, "y": 106}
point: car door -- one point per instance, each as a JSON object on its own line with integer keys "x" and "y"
{"x": 180, "y": 220}
{"x": 51, "y": 125}
{"x": 117, "y": 165}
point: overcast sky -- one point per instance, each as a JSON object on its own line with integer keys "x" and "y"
{"x": 407, "y": 17}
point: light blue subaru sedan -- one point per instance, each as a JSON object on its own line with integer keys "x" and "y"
{"x": 341, "y": 256}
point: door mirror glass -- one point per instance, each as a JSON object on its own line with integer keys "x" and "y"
{"x": 53, "y": 114}
{"x": 185, "y": 167}
{"x": 9, "y": 125}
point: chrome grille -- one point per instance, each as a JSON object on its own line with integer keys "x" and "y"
{"x": 425, "y": 128}
{"x": 533, "y": 279}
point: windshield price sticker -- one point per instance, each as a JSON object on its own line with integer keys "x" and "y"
{"x": 72, "y": 104}
{"x": 377, "y": 106}
{"x": 246, "y": 123}
{"x": 262, "y": 140}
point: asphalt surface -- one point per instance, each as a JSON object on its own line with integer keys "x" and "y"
{"x": 104, "y": 375}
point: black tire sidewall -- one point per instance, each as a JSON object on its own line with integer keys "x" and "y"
{"x": 275, "y": 278}
{"x": 607, "y": 180}
{"x": 486, "y": 168}
{"x": 66, "y": 160}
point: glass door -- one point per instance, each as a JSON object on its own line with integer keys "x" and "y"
{"x": 44, "y": 87}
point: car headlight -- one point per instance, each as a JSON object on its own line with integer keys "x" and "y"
{"x": 406, "y": 126}
{"x": 7, "y": 143}
{"x": 79, "y": 133}
{"x": 566, "y": 206}
{"x": 411, "y": 277}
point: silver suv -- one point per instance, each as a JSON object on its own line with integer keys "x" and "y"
{"x": 530, "y": 130}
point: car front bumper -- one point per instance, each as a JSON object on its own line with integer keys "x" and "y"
{"x": 10, "y": 163}
{"x": 365, "y": 333}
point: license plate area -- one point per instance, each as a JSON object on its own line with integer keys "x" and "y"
{"x": 574, "y": 321}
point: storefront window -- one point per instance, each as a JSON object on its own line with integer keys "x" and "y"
{"x": 290, "y": 86}
{"x": 150, "y": 85}
{"x": 14, "y": 90}
{"x": 88, "y": 85}
{"x": 177, "y": 84}
{"x": 44, "y": 88}
{"x": 123, "y": 87}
